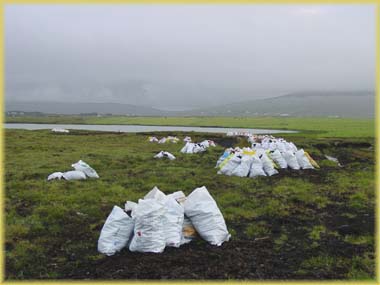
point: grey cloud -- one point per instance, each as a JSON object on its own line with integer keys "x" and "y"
{"x": 183, "y": 56}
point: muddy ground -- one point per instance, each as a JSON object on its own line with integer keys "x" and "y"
{"x": 286, "y": 249}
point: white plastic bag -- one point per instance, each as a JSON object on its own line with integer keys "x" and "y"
{"x": 256, "y": 167}
{"x": 159, "y": 155}
{"x": 223, "y": 157}
{"x": 57, "y": 130}
{"x": 163, "y": 140}
{"x": 243, "y": 168}
{"x": 206, "y": 217}
{"x": 291, "y": 160}
{"x": 130, "y": 206}
{"x": 278, "y": 159}
{"x": 256, "y": 145}
{"x": 74, "y": 175}
{"x": 293, "y": 147}
{"x": 267, "y": 165}
{"x": 173, "y": 222}
{"x": 199, "y": 148}
{"x": 116, "y": 232}
{"x": 205, "y": 143}
{"x": 149, "y": 236}
{"x": 82, "y": 166}
{"x": 302, "y": 160}
{"x": 188, "y": 148}
{"x": 169, "y": 155}
{"x": 55, "y": 175}
{"x": 162, "y": 154}
{"x": 280, "y": 146}
{"x": 156, "y": 194}
{"x": 230, "y": 165}
{"x": 179, "y": 196}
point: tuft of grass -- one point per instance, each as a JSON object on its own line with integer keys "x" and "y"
{"x": 257, "y": 230}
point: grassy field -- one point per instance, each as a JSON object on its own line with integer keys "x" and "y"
{"x": 315, "y": 127}
{"x": 308, "y": 224}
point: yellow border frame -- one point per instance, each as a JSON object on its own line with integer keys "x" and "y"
{"x": 301, "y": 2}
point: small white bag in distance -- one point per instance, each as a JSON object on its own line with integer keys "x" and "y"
{"x": 149, "y": 234}
{"x": 116, "y": 232}
{"x": 205, "y": 143}
{"x": 199, "y": 148}
{"x": 159, "y": 155}
{"x": 278, "y": 159}
{"x": 55, "y": 175}
{"x": 187, "y": 139}
{"x": 162, "y": 154}
{"x": 82, "y": 166}
{"x": 169, "y": 155}
{"x": 163, "y": 140}
{"x": 302, "y": 160}
{"x": 291, "y": 160}
{"x": 206, "y": 217}
{"x": 184, "y": 149}
{"x": 188, "y": 148}
{"x": 74, "y": 175}
{"x": 256, "y": 167}
{"x": 267, "y": 164}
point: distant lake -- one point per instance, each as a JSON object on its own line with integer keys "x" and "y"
{"x": 140, "y": 128}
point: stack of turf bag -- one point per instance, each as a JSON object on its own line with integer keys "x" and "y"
{"x": 264, "y": 158}
{"x": 197, "y": 147}
{"x": 160, "y": 220}
{"x": 81, "y": 172}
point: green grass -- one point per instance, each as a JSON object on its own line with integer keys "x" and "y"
{"x": 317, "y": 127}
{"x": 52, "y": 227}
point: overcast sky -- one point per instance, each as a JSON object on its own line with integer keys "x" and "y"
{"x": 185, "y": 56}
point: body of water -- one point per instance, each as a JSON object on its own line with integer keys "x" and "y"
{"x": 140, "y": 128}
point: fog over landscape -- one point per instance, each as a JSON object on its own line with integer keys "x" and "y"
{"x": 181, "y": 57}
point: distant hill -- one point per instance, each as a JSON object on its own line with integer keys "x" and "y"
{"x": 82, "y": 108}
{"x": 300, "y": 104}
{"x": 342, "y": 104}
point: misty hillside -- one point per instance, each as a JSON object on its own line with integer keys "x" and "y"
{"x": 342, "y": 104}
{"x": 82, "y": 108}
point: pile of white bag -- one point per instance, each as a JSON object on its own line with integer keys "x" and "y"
{"x": 163, "y": 154}
{"x": 164, "y": 139}
{"x": 81, "y": 172}
{"x": 152, "y": 139}
{"x": 241, "y": 133}
{"x": 248, "y": 162}
{"x": 197, "y": 147}
{"x": 160, "y": 220}
{"x": 58, "y": 130}
{"x": 268, "y": 142}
